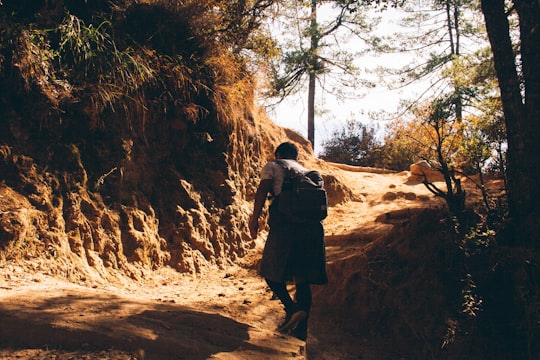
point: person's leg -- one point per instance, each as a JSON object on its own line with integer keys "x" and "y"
{"x": 293, "y": 313}
{"x": 280, "y": 290}
{"x": 304, "y": 300}
{"x": 303, "y": 296}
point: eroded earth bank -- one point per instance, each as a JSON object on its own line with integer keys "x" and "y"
{"x": 386, "y": 298}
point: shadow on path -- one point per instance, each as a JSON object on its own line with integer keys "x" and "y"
{"x": 101, "y": 322}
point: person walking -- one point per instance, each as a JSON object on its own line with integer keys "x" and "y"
{"x": 294, "y": 251}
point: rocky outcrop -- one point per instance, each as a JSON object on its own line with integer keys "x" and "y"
{"x": 136, "y": 159}
{"x": 423, "y": 171}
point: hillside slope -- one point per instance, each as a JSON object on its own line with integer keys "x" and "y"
{"x": 129, "y": 138}
{"x": 218, "y": 313}
{"x": 374, "y": 263}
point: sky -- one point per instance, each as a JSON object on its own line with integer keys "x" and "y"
{"x": 292, "y": 113}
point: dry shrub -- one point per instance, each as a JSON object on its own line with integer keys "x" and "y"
{"x": 233, "y": 90}
{"x": 33, "y": 57}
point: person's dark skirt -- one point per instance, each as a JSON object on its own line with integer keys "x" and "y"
{"x": 294, "y": 250}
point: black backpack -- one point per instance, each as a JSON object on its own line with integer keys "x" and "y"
{"x": 303, "y": 197}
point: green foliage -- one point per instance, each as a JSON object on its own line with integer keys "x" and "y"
{"x": 91, "y": 50}
{"x": 422, "y": 138}
{"x": 484, "y": 143}
{"x": 240, "y": 25}
{"x": 355, "y": 144}
{"x": 435, "y": 135}
{"x": 472, "y": 302}
{"x": 478, "y": 239}
{"x": 313, "y": 44}
{"x": 438, "y": 33}
{"x": 399, "y": 149}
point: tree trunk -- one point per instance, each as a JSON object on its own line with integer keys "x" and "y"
{"x": 522, "y": 115}
{"x": 312, "y": 75}
{"x": 311, "y": 109}
{"x": 529, "y": 23}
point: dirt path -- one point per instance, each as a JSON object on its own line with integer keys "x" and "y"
{"x": 221, "y": 314}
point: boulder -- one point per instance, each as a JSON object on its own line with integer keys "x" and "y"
{"x": 422, "y": 170}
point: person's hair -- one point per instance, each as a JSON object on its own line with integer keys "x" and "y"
{"x": 287, "y": 150}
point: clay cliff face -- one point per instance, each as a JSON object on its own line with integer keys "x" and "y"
{"x": 158, "y": 169}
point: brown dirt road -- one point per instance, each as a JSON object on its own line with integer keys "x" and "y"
{"x": 219, "y": 314}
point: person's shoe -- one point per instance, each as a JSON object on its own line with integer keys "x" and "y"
{"x": 301, "y": 330}
{"x": 293, "y": 321}
{"x": 288, "y": 313}
{"x": 285, "y": 321}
